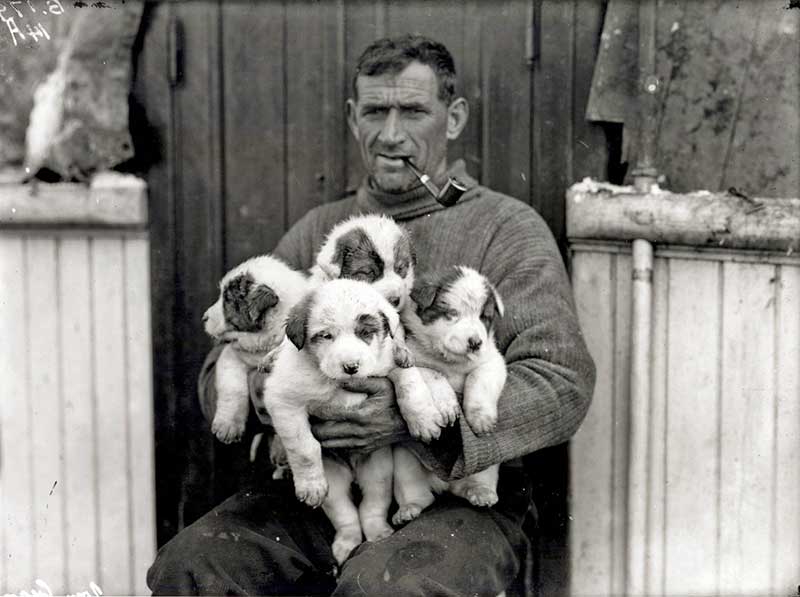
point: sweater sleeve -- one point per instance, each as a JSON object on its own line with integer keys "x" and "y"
{"x": 550, "y": 372}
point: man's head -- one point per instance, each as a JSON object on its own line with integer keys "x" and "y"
{"x": 404, "y": 106}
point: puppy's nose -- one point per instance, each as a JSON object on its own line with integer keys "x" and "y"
{"x": 350, "y": 368}
{"x": 474, "y": 343}
{"x": 394, "y": 301}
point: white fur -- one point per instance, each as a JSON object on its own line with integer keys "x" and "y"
{"x": 306, "y": 379}
{"x": 384, "y": 233}
{"x": 247, "y": 350}
{"x": 480, "y": 375}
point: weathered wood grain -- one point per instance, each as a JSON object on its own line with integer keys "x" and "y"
{"x": 700, "y": 219}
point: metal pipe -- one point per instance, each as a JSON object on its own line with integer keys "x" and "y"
{"x": 641, "y": 356}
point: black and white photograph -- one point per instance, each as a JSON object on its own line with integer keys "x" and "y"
{"x": 453, "y": 298}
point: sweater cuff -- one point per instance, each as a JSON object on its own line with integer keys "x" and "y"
{"x": 458, "y": 452}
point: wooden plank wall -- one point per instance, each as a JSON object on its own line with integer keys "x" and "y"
{"x": 76, "y": 435}
{"x": 724, "y": 426}
{"x": 251, "y": 134}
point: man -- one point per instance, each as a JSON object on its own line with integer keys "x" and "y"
{"x": 263, "y": 541}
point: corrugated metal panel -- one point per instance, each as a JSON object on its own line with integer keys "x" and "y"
{"x": 76, "y": 433}
{"x": 724, "y": 425}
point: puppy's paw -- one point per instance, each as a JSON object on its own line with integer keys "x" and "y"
{"x": 447, "y": 405}
{"x": 277, "y": 453}
{"x": 425, "y": 426}
{"x": 481, "y": 420}
{"x": 406, "y": 514}
{"x": 311, "y": 492}
{"x": 377, "y": 531}
{"x": 480, "y": 495}
{"x": 344, "y": 544}
{"x": 227, "y": 430}
{"x": 402, "y": 356}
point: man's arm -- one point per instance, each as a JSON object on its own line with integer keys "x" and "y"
{"x": 550, "y": 372}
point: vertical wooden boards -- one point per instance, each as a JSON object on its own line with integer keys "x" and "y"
{"x": 315, "y": 123}
{"x": 151, "y": 91}
{"x": 786, "y": 515}
{"x": 139, "y": 415}
{"x": 595, "y": 532}
{"x": 747, "y": 424}
{"x": 553, "y": 106}
{"x": 44, "y": 383}
{"x": 692, "y": 427}
{"x": 254, "y": 82}
{"x": 111, "y": 405}
{"x": 77, "y": 468}
{"x": 506, "y": 100}
{"x": 199, "y": 237}
{"x": 81, "y": 447}
{"x": 16, "y": 475}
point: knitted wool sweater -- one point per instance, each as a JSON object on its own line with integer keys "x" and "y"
{"x": 550, "y": 373}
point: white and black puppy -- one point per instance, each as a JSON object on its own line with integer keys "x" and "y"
{"x": 255, "y": 298}
{"x": 375, "y": 249}
{"x": 343, "y": 329}
{"x": 449, "y": 326}
{"x": 370, "y": 248}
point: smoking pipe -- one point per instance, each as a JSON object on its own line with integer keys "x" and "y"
{"x": 448, "y": 195}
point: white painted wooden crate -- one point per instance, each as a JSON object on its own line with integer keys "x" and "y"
{"x": 77, "y": 488}
{"x": 721, "y": 488}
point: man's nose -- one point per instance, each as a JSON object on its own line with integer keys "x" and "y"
{"x": 392, "y": 131}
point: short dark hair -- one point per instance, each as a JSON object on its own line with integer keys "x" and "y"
{"x": 392, "y": 54}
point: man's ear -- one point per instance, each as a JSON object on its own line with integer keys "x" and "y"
{"x": 352, "y": 121}
{"x": 297, "y": 322}
{"x": 457, "y": 116}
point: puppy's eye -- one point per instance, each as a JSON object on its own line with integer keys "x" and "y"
{"x": 361, "y": 276}
{"x": 401, "y": 269}
{"x": 322, "y": 336}
{"x": 451, "y": 315}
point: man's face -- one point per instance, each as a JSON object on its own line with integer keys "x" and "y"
{"x": 400, "y": 115}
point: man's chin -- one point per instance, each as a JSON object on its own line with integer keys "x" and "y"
{"x": 394, "y": 183}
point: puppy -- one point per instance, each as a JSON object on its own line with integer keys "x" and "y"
{"x": 254, "y": 300}
{"x": 376, "y": 249}
{"x": 449, "y": 326}
{"x": 342, "y": 329}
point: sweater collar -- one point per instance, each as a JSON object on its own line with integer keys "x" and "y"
{"x": 416, "y": 201}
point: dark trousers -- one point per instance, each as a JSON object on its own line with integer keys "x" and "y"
{"x": 262, "y": 541}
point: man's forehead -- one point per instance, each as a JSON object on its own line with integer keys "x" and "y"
{"x": 416, "y": 82}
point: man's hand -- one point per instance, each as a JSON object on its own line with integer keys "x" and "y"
{"x": 362, "y": 425}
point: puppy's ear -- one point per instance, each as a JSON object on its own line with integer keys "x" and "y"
{"x": 493, "y": 307}
{"x": 259, "y": 299}
{"x": 424, "y": 294}
{"x": 297, "y": 322}
{"x": 391, "y": 321}
{"x": 330, "y": 258}
{"x": 235, "y": 303}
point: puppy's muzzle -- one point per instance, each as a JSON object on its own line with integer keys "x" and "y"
{"x": 350, "y": 368}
